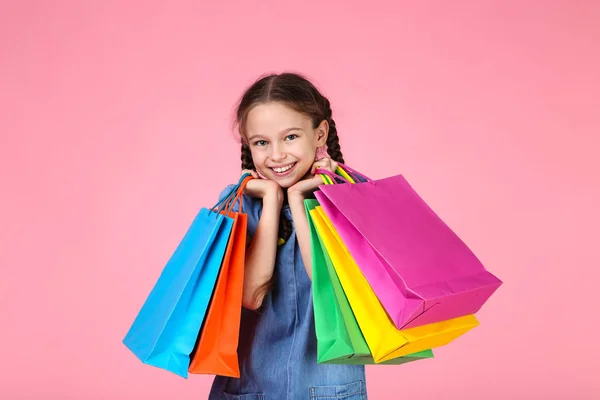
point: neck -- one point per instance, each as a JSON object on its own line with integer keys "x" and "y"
{"x": 285, "y": 197}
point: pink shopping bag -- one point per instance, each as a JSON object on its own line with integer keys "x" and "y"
{"x": 420, "y": 270}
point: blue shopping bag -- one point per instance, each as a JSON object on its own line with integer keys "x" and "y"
{"x": 166, "y": 328}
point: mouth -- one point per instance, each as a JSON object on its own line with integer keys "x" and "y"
{"x": 283, "y": 170}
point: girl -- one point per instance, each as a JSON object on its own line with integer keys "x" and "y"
{"x": 287, "y": 132}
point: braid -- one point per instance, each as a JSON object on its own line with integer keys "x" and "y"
{"x": 247, "y": 162}
{"x": 333, "y": 141}
{"x": 285, "y": 228}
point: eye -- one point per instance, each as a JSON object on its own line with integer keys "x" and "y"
{"x": 260, "y": 143}
{"x": 291, "y": 137}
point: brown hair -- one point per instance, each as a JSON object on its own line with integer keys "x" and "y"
{"x": 298, "y": 93}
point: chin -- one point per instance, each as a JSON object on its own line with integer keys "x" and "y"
{"x": 285, "y": 183}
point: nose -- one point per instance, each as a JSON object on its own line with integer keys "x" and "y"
{"x": 277, "y": 154}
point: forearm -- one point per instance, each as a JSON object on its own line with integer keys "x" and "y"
{"x": 302, "y": 230}
{"x": 261, "y": 254}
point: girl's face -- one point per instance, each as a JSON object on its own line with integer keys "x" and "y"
{"x": 283, "y": 142}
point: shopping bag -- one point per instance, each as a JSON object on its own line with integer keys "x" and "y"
{"x": 421, "y": 271}
{"x": 166, "y": 328}
{"x": 385, "y": 341}
{"x": 339, "y": 339}
{"x": 216, "y": 350}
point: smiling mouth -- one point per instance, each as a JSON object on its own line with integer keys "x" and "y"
{"x": 283, "y": 170}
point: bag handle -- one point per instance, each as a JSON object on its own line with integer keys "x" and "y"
{"x": 340, "y": 171}
{"x": 239, "y": 196}
{"x": 345, "y": 173}
{"x": 326, "y": 179}
{"x": 233, "y": 192}
{"x": 352, "y": 172}
{"x": 331, "y": 175}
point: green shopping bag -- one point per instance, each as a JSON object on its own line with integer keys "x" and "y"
{"x": 339, "y": 339}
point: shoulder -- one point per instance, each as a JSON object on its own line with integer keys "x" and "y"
{"x": 228, "y": 190}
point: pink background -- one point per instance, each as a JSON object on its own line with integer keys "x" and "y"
{"x": 115, "y": 129}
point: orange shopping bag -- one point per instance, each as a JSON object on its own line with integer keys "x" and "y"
{"x": 216, "y": 349}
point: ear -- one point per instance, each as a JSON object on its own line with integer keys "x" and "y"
{"x": 322, "y": 132}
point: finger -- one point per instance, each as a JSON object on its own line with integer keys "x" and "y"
{"x": 318, "y": 169}
{"x": 325, "y": 163}
{"x": 251, "y": 172}
{"x": 316, "y": 165}
{"x": 334, "y": 165}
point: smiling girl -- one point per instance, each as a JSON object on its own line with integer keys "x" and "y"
{"x": 287, "y": 132}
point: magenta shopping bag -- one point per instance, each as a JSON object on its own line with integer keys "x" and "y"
{"x": 421, "y": 271}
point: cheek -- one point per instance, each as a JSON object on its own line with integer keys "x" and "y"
{"x": 306, "y": 157}
{"x": 258, "y": 157}
{"x": 306, "y": 154}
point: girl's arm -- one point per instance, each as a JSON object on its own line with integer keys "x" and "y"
{"x": 262, "y": 251}
{"x": 296, "y": 195}
{"x": 296, "y": 201}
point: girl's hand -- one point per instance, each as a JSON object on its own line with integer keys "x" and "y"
{"x": 311, "y": 181}
{"x": 263, "y": 188}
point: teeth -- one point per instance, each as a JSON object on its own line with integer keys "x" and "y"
{"x": 283, "y": 169}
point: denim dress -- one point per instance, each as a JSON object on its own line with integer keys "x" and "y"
{"x": 278, "y": 346}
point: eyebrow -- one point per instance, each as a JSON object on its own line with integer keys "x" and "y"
{"x": 288, "y": 130}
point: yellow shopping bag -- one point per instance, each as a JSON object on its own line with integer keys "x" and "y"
{"x": 385, "y": 341}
